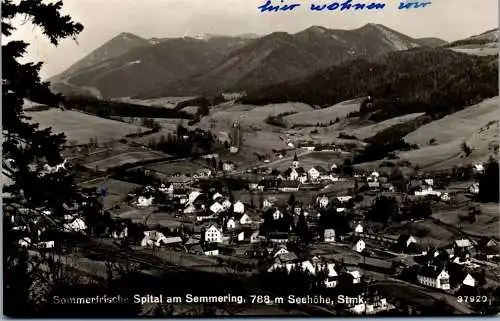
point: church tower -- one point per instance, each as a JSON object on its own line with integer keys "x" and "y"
{"x": 235, "y": 138}
{"x": 295, "y": 163}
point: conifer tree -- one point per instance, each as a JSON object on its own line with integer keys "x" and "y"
{"x": 27, "y": 150}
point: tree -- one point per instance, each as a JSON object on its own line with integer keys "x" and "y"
{"x": 384, "y": 209}
{"x": 466, "y": 149}
{"x": 26, "y": 149}
{"x": 421, "y": 209}
{"x": 489, "y": 183}
{"x": 301, "y": 228}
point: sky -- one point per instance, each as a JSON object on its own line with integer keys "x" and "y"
{"x": 104, "y": 19}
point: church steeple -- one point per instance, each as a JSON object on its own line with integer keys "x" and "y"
{"x": 295, "y": 162}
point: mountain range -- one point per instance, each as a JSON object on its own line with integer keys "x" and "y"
{"x": 131, "y": 66}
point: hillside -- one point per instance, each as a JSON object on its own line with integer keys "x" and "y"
{"x": 483, "y": 44}
{"x": 281, "y": 56}
{"x": 80, "y": 127}
{"x": 210, "y": 64}
{"x": 431, "y": 42}
{"x": 149, "y": 67}
{"x": 477, "y": 125}
{"x": 400, "y": 82}
{"x": 323, "y": 116}
{"x": 111, "y": 49}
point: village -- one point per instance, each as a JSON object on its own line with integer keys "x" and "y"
{"x": 325, "y": 229}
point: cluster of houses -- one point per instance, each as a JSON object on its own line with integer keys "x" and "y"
{"x": 293, "y": 177}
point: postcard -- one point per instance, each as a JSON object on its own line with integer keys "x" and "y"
{"x": 264, "y": 158}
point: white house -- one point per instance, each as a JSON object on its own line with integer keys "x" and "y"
{"x": 167, "y": 189}
{"x": 315, "y": 172}
{"x": 239, "y": 207}
{"x": 426, "y": 191}
{"x": 77, "y": 225}
{"x": 329, "y": 236}
{"x": 267, "y": 203}
{"x": 254, "y": 238}
{"x": 211, "y": 252}
{"x": 213, "y": 234}
{"x": 343, "y": 199}
{"x": 434, "y": 277}
{"x": 144, "y": 202}
{"x": 193, "y": 196}
{"x": 358, "y": 229}
{"x": 25, "y": 242}
{"x": 429, "y": 182}
{"x": 445, "y": 197}
{"x": 371, "y": 307}
{"x": 279, "y": 251}
{"x": 359, "y": 245}
{"x": 228, "y": 166}
{"x": 277, "y": 214}
{"x": 190, "y": 209}
{"x": 406, "y": 240}
{"x": 152, "y": 238}
{"x": 231, "y": 224}
{"x": 474, "y": 189}
{"x": 216, "y": 207}
{"x": 469, "y": 280}
{"x": 356, "y": 274}
{"x": 478, "y": 168}
{"x": 323, "y": 201}
{"x": 245, "y": 219}
{"x": 226, "y": 204}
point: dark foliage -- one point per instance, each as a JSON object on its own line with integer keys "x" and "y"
{"x": 489, "y": 183}
{"x": 203, "y": 102}
{"x": 384, "y": 209}
{"x": 107, "y": 108}
{"x": 401, "y": 83}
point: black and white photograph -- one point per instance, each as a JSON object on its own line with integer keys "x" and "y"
{"x": 250, "y": 158}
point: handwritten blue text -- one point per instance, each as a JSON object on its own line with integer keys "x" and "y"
{"x": 269, "y": 6}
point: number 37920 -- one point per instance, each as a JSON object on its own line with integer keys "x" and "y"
{"x": 472, "y": 298}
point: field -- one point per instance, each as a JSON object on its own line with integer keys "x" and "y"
{"x": 125, "y": 158}
{"x": 324, "y": 115}
{"x": 166, "y": 102}
{"x": 172, "y": 167}
{"x": 256, "y": 133}
{"x": 427, "y": 232}
{"x": 82, "y": 127}
{"x": 477, "y": 125}
{"x": 486, "y": 223}
{"x": 371, "y": 130}
{"x": 116, "y": 190}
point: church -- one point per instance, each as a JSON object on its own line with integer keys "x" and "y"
{"x": 295, "y": 172}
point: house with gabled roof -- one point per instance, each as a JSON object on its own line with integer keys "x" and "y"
{"x": 216, "y": 208}
{"x": 434, "y": 277}
{"x": 279, "y": 250}
{"x": 329, "y": 236}
{"x": 358, "y": 244}
{"x": 322, "y": 201}
{"x": 316, "y": 172}
{"x": 213, "y": 234}
{"x": 238, "y": 207}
